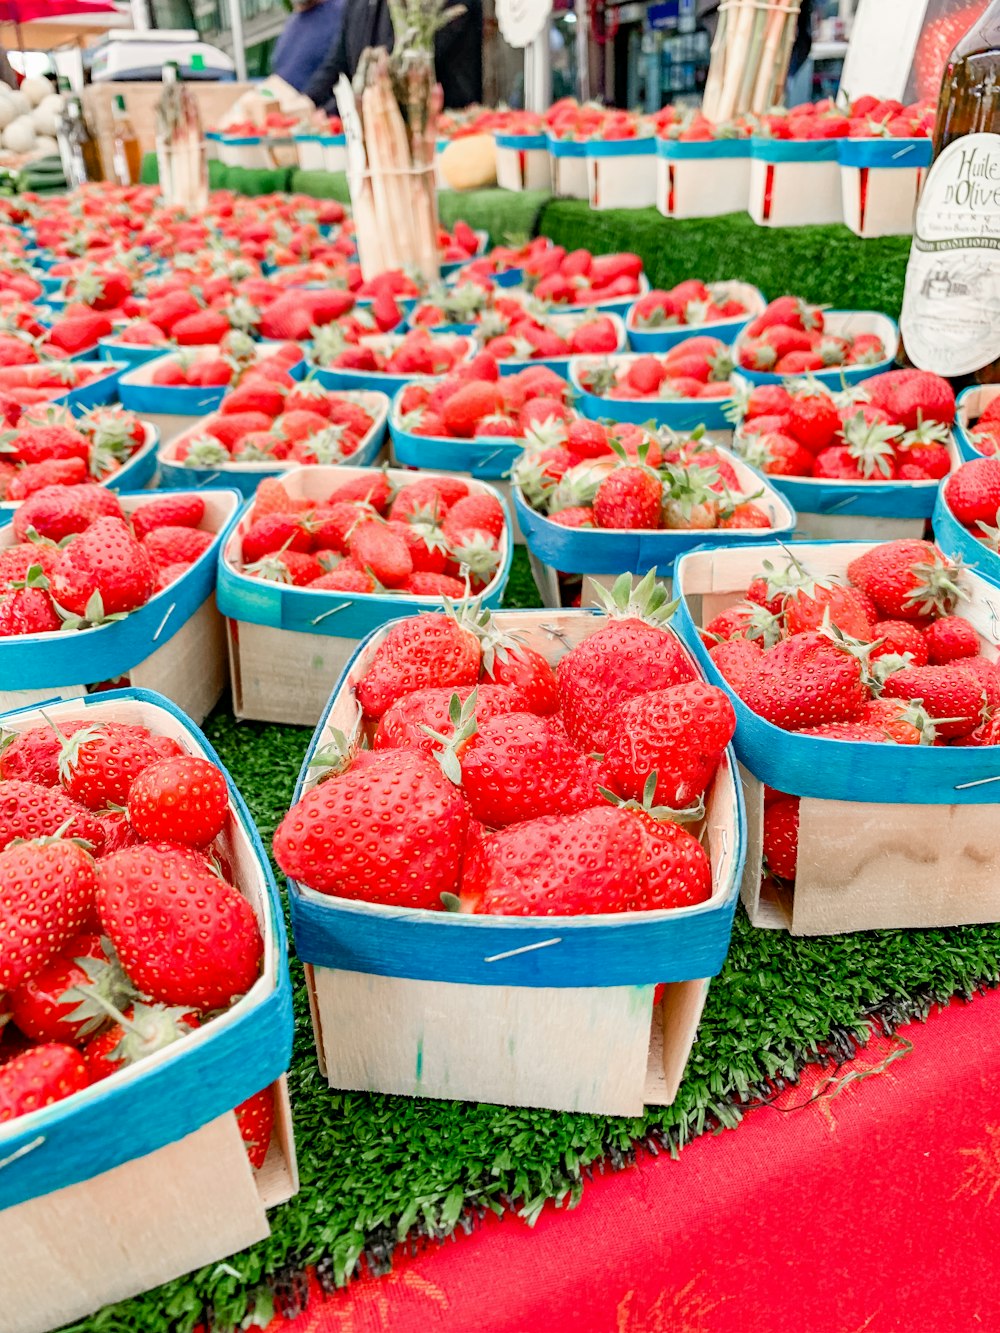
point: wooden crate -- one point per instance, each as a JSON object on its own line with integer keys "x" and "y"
{"x": 188, "y": 1197}
{"x": 284, "y": 655}
{"x": 889, "y": 836}
{"x": 508, "y": 1009}
{"x": 175, "y": 644}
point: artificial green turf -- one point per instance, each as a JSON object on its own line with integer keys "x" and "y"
{"x": 375, "y": 1168}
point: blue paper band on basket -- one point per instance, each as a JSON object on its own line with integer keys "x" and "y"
{"x": 593, "y": 551}
{"x": 695, "y": 149}
{"x": 171, "y": 1094}
{"x": 969, "y": 406}
{"x": 337, "y": 614}
{"x": 678, "y": 413}
{"x": 794, "y": 150}
{"x": 81, "y": 657}
{"x": 103, "y": 389}
{"x": 663, "y": 339}
{"x": 522, "y": 143}
{"x": 957, "y": 542}
{"x": 566, "y": 147}
{"x": 847, "y": 770}
{"x": 643, "y": 146}
{"x": 884, "y": 153}
{"x": 873, "y": 499}
{"x": 490, "y": 458}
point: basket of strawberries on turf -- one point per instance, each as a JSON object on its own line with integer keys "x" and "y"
{"x": 687, "y": 386}
{"x": 485, "y": 729}
{"x": 117, "y": 1011}
{"x": 126, "y": 574}
{"x": 270, "y": 423}
{"x": 606, "y": 499}
{"x": 967, "y": 516}
{"x": 883, "y": 161}
{"x": 792, "y": 337}
{"x": 326, "y": 555}
{"x": 866, "y": 674}
{"x": 50, "y": 446}
{"x": 872, "y": 454}
{"x": 474, "y": 420}
{"x": 661, "y": 319}
{"x": 702, "y": 167}
{"x": 977, "y": 421}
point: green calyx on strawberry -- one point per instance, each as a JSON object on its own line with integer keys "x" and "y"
{"x": 108, "y": 987}
{"x": 145, "y": 1029}
{"x": 328, "y": 342}
{"x": 991, "y": 533}
{"x": 872, "y": 446}
{"x": 462, "y": 717}
{"x": 689, "y": 814}
{"x": 599, "y": 379}
{"x": 333, "y": 757}
{"x": 206, "y": 451}
{"x": 648, "y": 600}
{"x": 92, "y": 616}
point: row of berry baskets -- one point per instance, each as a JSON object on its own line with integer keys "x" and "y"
{"x": 156, "y": 588}
{"x": 869, "y": 184}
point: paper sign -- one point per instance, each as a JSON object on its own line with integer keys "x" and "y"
{"x": 899, "y": 48}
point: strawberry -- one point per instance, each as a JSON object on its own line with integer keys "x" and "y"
{"x": 103, "y": 572}
{"x": 899, "y": 637}
{"x": 629, "y": 497}
{"x": 47, "y": 890}
{"x": 184, "y": 935}
{"x": 172, "y": 545}
{"x": 98, "y": 765}
{"x": 38, "y": 1077}
{"x": 558, "y": 865}
{"x": 255, "y": 1118}
{"x": 57, "y": 512}
{"x": 33, "y": 755}
{"x": 467, "y": 406}
{"x": 343, "y": 579}
{"x": 527, "y": 674}
{"x": 781, "y": 836}
{"x": 409, "y": 722}
{"x": 185, "y": 511}
{"x": 338, "y": 839}
{"x": 254, "y": 397}
{"x": 912, "y": 396}
{"x": 27, "y": 608}
{"x": 374, "y": 488}
{"x": 382, "y": 552}
{"x": 813, "y": 420}
{"x": 630, "y": 655}
{"x": 32, "y": 810}
{"x": 279, "y": 531}
{"x": 520, "y": 766}
{"x": 806, "y": 681}
{"x": 38, "y": 444}
{"x": 426, "y": 651}
{"x": 737, "y": 660}
{"x": 183, "y": 799}
{"x": 200, "y": 329}
{"x": 230, "y": 429}
{"x": 949, "y": 639}
{"x": 907, "y": 579}
{"x": 41, "y": 1006}
{"x": 973, "y": 491}
{"x": 137, "y": 1032}
{"x": 946, "y": 692}
{"x": 806, "y": 608}
{"x": 679, "y": 734}
{"x": 987, "y": 675}
{"x": 53, "y": 472}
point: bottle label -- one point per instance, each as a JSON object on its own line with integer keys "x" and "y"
{"x": 951, "y": 303}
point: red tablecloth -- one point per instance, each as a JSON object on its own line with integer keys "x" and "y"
{"x": 862, "y": 1201}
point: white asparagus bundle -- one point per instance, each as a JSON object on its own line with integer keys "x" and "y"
{"x": 749, "y": 56}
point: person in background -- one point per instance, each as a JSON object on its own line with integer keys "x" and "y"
{"x": 458, "y": 52}
{"x": 799, "y": 85}
{"x": 313, "y": 28}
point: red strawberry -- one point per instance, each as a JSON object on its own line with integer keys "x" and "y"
{"x": 945, "y": 692}
{"x": 912, "y": 396}
{"x": 98, "y": 765}
{"x": 813, "y": 420}
{"x": 520, "y": 766}
{"x": 973, "y": 491}
{"x": 344, "y": 579}
{"x": 46, "y": 895}
{"x": 39, "y": 1077}
{"x": 183, "y": 800}
{"x": 200, "y": 329}
{"x": 806, "y": 681}
{"x": 906, "y": 579}
{"x": 405, "y": 725}
{"x": 781, "y": 836}
{"x": 629, "y": 497}
{"x": 56, "y": 472}
{"x": 167, "y": 546}
{"x": 467, "y": 406}
{"x": 184, "y": 935}
{"x": 951, "y": 638}
{"x": 426, "y": 583}
{"x": 805, "y": 609}
{"x": 103, "y": 572}
{"x": 429, "y": 650}
{"x": 32, "y": 810}
{"x": 679, "y": 734}
{"x": 373, "y": 488}
{"x": 337, "y": 839}
{"x": 737, "y": 660}
{"x": 40, "y": 1007}
{"x": 899, "y": 637}
{"x": 378, "y": 549}
{"x": 56, "y": 512}
{"x": 255, "y": 1118}
{"x": 527, "y": 674}
{"x": 184, "y": 511}
{"x": 33, "y": 755}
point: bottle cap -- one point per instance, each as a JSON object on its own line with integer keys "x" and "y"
{"x": 198, "y": 62}
{"x": 119, "y": 102}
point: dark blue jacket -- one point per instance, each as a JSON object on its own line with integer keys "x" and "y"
{"x": 305, "y": 40}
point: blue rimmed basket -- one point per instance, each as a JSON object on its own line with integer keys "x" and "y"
{"x": 662, "y": 340}
{"x": 139, "y": 393}
{"x": 182, "y": 1138}
{"x": 681, "y": 414}
{"x": 880, "y": 180}
{"x": 884, "y": 830}
{"x": 621, "y": 173}
{"x": 969, "y": 407}
{"x": 288, "y": 645}
{"x": 839, "y": 323}
{"x": 134, "y": 475}
{"x": 794, "y": 182}
{"x": 702, "y": 178}
{"x": 542, "y": 1012}
{"x": 332, "y": 378}
{"x": 523, "y": 162}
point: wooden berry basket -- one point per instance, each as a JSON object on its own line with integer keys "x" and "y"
{"x": 603, "y": 554}
{"x": 846, "y": 324}
{"x": 871, "y": 855}
{"x": 969, "y": 407}
{"x": 151, "y": 1160}
{"x": 555, "y": 1012}
{"x": 794, "y": 182}
{"x": 958, "y": 542}
{"x": 658, "y": 341}
{"x": 621, "y": 173}
{"x": 702, "y": 179}
{"x": 133, "y": 475}
{"x": 523, "y": 162}
{"x": 287, "y": 646}
{"x": 880, "y": 180}
{"x": 338, "y": 380}
{"x": 99, "y": 391}
{"x": 682, "y": 414}
{"x": 569, "y": 167}
{"x": 246, "y": 477}
{"x": 175, "y": 643}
